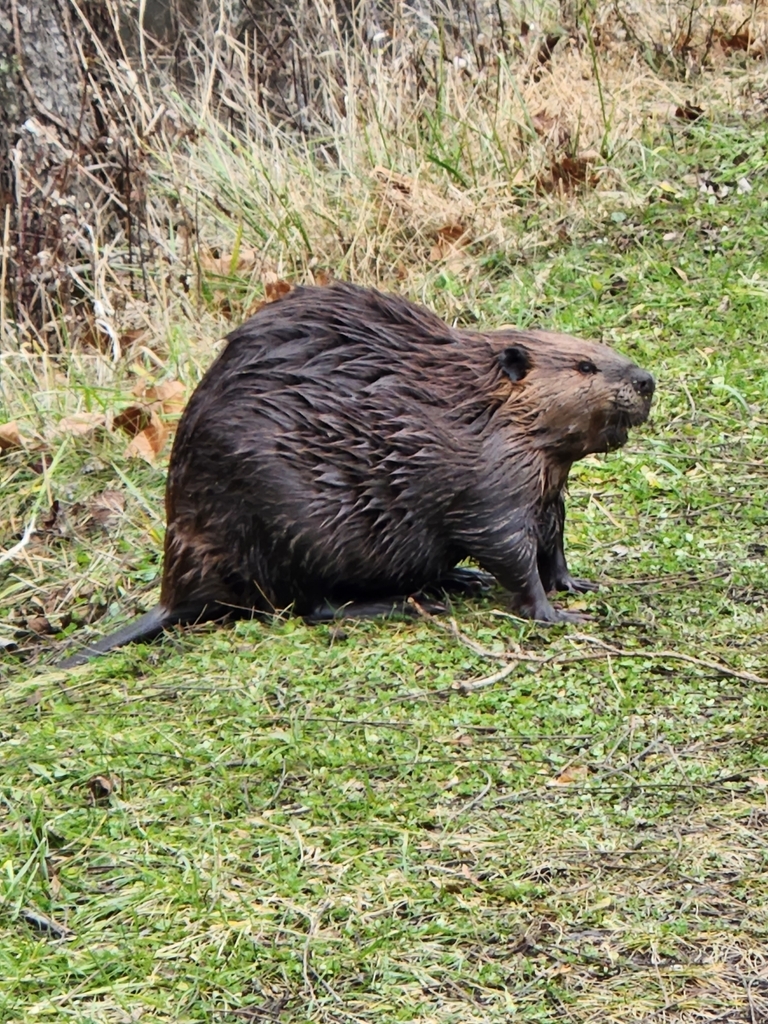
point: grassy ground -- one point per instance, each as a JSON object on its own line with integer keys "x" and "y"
{"x": 272, "y": 822}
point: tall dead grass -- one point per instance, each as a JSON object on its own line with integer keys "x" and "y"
{"x": 391, "y": 148}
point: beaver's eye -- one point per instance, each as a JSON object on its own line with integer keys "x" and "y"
{"x": 586, "y": 366}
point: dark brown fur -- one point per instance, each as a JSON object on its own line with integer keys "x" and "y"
{"x": 349, "y": 446}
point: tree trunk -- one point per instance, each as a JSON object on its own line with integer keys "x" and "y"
{"x": 71, "y": 178}
{"x": 43, "y": 78}
{"x": 43, "y": 119}
{"x": 74, "y": 111}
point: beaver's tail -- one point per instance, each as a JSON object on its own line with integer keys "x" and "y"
{"x": 145, "y": 627}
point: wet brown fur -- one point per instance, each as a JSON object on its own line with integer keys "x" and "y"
{"x": 349, "y": 446}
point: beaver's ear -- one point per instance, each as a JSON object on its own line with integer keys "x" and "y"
{"x": 515, "y": 362}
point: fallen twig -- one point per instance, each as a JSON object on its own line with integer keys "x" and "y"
{"x": 606, "y": 651}
{"x": 479, "y": 684}
{"x": 713, "y": 666}
{"x": 478, "y": 799}
{"x": 452, "y": 627}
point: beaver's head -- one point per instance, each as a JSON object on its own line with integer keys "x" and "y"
{"x": 572, "y": 397}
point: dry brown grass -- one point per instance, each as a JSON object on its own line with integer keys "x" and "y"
{"x": 386, "y": 155}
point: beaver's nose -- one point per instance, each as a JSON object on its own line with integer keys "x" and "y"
{"x": 643, "y": 382}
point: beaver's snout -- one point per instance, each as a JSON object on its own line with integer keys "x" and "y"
{"x": 643, "y": 382}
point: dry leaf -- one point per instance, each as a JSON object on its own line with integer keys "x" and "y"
{"x": 464, "y": 740}
{"x": 9, "y": 435}
{"x": 143, "y": 422}
{"x": 51, "y": 519}
{"x": 744, "y": 41}
{"x": 274, "y": 287}
{"x": 82, "y": 423}
{"x": 225, "y": 264}
{"x": 689, "y": 112}
{"x": 167, "y": 397}
{"x": 212, "y": 264}
{"x": 101, "y": 787}
{"x": 133, "y": 419}
{"x": 543, "y": 122}
{"x": 39, "y": 624}
{"x": 400, "y": 182}
{"x": 133, "y": 337}
{"x": 454, "y": 233}
{"x": 574, "y": 773}
{"x": 150, "y": 440}
{"x": 106, "y": 507}
{"x": 571, "y": 171}
{"x": 467, "y": 872}
{"x": 681, "y": 274}
{"x": 551, "y": 128}
{"x": 545, "y": 50}
{"x": 450, "y": 238}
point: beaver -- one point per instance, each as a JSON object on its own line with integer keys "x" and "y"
{"x": 348, "y": 448}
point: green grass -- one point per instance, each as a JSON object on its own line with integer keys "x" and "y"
{"x": 311, "y": 825}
